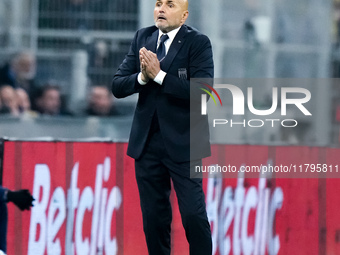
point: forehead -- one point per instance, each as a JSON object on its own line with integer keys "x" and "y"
{"x": 99, "y": 90}
{"x": 170, "y": 1}
{"x": 7, "y": 91}
{"x": 21, "y": 93}
{"x": 51, "y": 92}
{"x": 26, "y": 59}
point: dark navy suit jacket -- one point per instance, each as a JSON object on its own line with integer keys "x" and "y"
{"x": 189, "y": 56}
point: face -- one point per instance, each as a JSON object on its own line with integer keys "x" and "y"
{"x": 170, "y": 14}
{"x": 100, "y": 100}
{"x": 8, "y": 96}
{"x": 25, "y": 67}
{"x": 51, "y": 101}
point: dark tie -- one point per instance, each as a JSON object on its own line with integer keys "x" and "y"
{"x": 161, "y": 47}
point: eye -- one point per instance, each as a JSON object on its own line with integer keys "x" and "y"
{"x": 158, "y": 4}
{"x": 171, "y": 5}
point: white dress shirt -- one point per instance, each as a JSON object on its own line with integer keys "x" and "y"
{"x": 161, "y": 75}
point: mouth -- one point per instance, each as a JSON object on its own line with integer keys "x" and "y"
{"x": 161, "y": 18}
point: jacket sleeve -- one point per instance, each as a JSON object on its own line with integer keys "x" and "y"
{"x": 2, "y": 192}
{"x": 125, "y": 80}
{"x": 201, "y": 66}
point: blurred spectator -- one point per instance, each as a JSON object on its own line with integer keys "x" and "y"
{"x": 20, "y": 71}
{"x": 101, "y": 102}
{"x": 100, "y": 57}
{"x": 24, "y": 103}
{"x": 23, "y": 100}
{"x": 100, "y": 54}
{"x": 3, "y": 109}
{"x": 9, "y": 101}
{"x": 48, "y": 101}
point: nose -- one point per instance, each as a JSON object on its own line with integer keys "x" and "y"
{"x": 161, "y": 8}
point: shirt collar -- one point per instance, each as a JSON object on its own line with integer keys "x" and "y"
{"x": 172, "y": 34}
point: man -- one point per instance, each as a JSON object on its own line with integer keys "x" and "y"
{"x": 159, "y": 64}
{"x": 20, "y": 71}
{"x": 101, "y": 102}
{"x": 22, "y": 199}
{"x": 48, "y": 101}
{"x": 9, "y": 99}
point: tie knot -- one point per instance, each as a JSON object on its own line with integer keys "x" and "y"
{"x": 163, "y": 38}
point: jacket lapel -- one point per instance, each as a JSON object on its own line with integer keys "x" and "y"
{"x": 174, "y": 48}
{"x": 151, "y": 41}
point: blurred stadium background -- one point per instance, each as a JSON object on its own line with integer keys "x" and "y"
{"x": 80, "y": 43}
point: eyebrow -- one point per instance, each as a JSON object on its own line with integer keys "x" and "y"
{"x": 168, "y": 2}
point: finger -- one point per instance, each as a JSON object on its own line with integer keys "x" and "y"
{"x": 144, "y": 60}
{"x": 144, "y": 63}
{"x": 143, "y": 51}
{"x": 152, "y": 58}
{"x": 152, "y": 54}
{"x": 147, "y": 58}
{"x": 141, "y": 54}
{"x": 149, "y": 54}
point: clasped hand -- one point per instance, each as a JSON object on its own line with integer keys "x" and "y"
{"x": 149, "y": 64}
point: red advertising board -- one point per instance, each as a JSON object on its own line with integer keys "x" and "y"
{"x": 87, "y": 201}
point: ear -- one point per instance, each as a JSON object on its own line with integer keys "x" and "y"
{"x": 185, "y": 16}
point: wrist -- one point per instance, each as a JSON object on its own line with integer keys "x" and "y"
{"x": 140, "y": 80}
{"x": 155, "y": 73}
{"x": 143, "y": 78}
{"x": 160, "y": 77}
